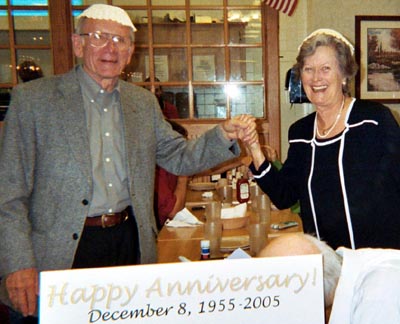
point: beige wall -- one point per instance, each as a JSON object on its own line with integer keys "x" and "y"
{"x": 308, "y": 16}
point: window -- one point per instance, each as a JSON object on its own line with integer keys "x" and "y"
{"x": 26, "y": 39}
{"x": 210, "y": 55}
{"x": 206, "y": 55}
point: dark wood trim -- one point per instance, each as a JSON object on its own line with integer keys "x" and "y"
{"x": 61, "y": 31}
{"x": 271, "y": 74}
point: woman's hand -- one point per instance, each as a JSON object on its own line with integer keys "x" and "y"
{"x": 271, "y": 153}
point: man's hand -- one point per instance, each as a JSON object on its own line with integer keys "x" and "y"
{"x": 241, "y": 127}
{"x": 23, "y": 289}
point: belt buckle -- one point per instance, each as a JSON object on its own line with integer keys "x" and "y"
{"x": 103, "y": 216}
{"x": 103, "y": 223}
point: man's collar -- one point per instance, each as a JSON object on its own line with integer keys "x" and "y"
{"x": 91, "y": 85}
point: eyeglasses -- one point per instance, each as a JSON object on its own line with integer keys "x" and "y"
{"x": 99, "y": 39}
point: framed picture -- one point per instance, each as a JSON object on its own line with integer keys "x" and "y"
{"x": 161, "y": 67}
{"x": 378, "y": 55}
{"x": 204, "y": 68}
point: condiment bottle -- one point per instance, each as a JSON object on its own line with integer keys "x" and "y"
{"x": 205, "y": 249}
{"x": 242, "y": 190}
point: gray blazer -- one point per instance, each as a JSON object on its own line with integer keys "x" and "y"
{"x": 45, "y": 169}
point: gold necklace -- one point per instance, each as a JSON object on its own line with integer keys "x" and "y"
{"x": 330, "y": 129}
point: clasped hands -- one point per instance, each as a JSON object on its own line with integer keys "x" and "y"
{"x": 242, "y": 127}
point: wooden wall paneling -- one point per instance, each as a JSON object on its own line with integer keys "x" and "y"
{"x": 271, "y": 74}
{"x": 61, "y": 30}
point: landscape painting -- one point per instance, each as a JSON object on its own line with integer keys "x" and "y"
{"x": 378, "y": 55}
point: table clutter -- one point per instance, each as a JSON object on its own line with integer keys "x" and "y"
{"x": 184, "y": 218}
{"x": 234, "y": 217}
{"x": 217, "y": 220}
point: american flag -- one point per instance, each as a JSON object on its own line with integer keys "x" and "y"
{"x": 286, "y": 6}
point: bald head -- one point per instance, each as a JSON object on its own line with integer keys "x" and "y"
{"x": 288, "y": 245}
{"x": 304, "y": 244}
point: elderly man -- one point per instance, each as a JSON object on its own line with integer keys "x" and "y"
{"x": 77, "y": 163}
{"x": 304, "y": 244}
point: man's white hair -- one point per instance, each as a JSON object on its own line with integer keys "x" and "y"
{"x": 332, "y": 264}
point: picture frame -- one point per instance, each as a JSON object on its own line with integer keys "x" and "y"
{"x": 204, "y": 68}
{"x": 377, "y": 51}
{"x": 161, "y": 67}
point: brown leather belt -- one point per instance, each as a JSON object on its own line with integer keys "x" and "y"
{"x": 108, "y": 220}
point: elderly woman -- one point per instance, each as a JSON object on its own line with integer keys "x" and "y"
{"x": 343, "y": 162}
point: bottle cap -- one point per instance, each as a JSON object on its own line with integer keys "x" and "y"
{"x": 205, "y": 249}
{"x": 204, "y": 244}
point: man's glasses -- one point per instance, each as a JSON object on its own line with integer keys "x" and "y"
{"x": 99, "y": 39}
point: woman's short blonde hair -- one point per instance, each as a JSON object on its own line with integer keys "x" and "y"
{"x": 344, "y": 55}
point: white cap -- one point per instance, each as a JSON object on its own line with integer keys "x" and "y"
{"x": 329, "y": 32}
{"x": 107, "y": 12}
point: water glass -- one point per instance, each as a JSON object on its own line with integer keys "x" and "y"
{"x": 213, "y": 233}
{"x": 263, "y": 202}
{"x": 258, "y": 238}
{"x": 213, "y": 211}
{"x": 255, "y": 191}
{"x": 264, "y": 216}
{"x": 225, "y": 194}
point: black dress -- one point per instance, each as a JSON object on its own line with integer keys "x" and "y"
{"x": 348, "y": 185}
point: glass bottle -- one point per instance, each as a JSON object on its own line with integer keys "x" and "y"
{"x": 242, "y": 190}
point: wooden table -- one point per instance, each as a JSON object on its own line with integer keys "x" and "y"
{"x": 194, "y": 198}
{"x": 185, "y": 241}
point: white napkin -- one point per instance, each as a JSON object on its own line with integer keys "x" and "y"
{"x": 238, "y": 254}
{"x": 184, "y": 218}
{"x": 232, "y": 212}
{"x": 207, "y": 194}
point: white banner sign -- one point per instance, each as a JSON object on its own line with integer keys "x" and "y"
{"x": 257, "y": 290}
